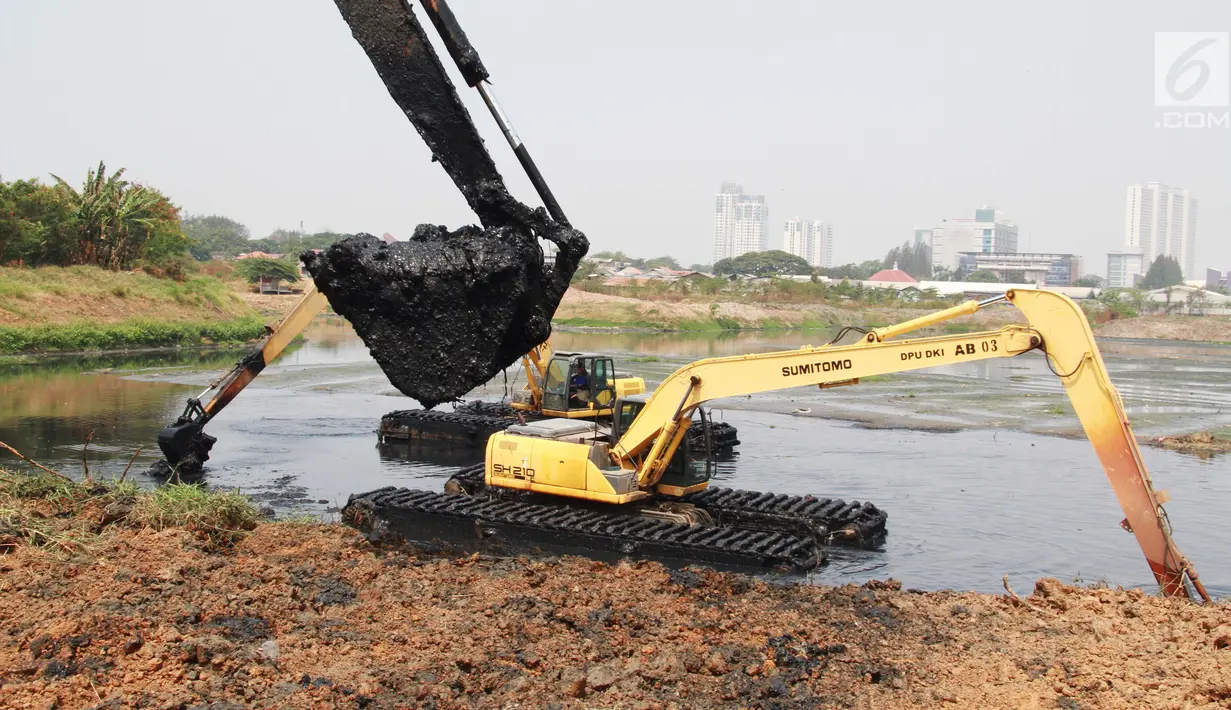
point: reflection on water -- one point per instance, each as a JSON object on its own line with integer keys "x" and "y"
{"x": 48, "y": 409}
{"x": 964, "y": 508}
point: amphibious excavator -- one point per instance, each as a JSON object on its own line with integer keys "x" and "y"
{"x": 566, "y": 385}
{"x": 627, "y": 491}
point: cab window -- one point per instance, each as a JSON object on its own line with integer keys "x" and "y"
{"x": 557, "y": 380}
{"x": 601, "y": 375}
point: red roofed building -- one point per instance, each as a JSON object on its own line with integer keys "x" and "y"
{"x": 894, "y": 275}
{"x": 388, "y": 238}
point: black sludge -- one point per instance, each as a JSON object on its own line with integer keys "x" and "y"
{"x": 446, "y": 311}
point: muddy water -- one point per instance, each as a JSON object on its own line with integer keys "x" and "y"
{"x": 964, "y": 459}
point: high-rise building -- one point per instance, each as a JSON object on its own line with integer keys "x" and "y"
{"x": 923, "y": 236}
{"x": 809, "y": 238}
{"x": 1123, "y": 269}
{"x": 989, "y": 232}
{"x": 1161, "y": 220}
{"x": 740, "y": 222}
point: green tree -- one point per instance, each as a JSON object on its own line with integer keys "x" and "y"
{"x": 943, "y": 273}
{"x": 1164, "y": 271}
{"x": 215, "y": 234}
{"x": 38, "y": 224}
{"x": 1090, "y": 281}
{"x": 115, "y": 218}
{"x": 666, "y": 261}
{"x": 914, "y": 259}
{"x": 584, "y": 270}
{"x": 854, "y": 272}
{"x": 282, "y": 236}
{"x": 983, "y": 276}
{"x": 257, "y": 268}
{"x": 764, "y": 263}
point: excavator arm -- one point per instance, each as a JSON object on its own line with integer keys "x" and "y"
{"x": 535, "y": 365}
{"x": 179, "y": 439}
{"x": 1056, "y": 326}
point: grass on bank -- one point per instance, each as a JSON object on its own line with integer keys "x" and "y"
{"x": 88, "y": 335}
{"x": 44, "y": 510}
{"x": 21, "y": 287}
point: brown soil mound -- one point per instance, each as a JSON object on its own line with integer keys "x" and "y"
{"x": 313, "y": 616}
{"x": 1202, "y": 443}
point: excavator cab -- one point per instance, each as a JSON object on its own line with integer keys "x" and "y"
{"x": 688, "y": 466}
{"x": 579, "y": 385}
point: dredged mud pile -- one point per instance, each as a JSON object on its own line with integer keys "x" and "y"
{"x": 313, "y": 616}
{"x": 446, "y": 311}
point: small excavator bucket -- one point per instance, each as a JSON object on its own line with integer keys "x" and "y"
{"x": 184, "y": 444}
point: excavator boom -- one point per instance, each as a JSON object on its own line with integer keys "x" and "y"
{"x": 1055, "y": 325}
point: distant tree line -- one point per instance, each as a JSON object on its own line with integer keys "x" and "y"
{"x": 215, "y": 236}
{"x": 643, "y": 264}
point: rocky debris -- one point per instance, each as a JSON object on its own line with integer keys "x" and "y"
{"x": 157, "y": 620}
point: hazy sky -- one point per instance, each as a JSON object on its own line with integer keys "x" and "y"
{"x": 876, "y": 117}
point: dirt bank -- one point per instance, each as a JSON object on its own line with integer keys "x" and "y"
{"x": 584, "y": 308}
{"x": 57, "y": 296}
{"x": 313, "y": 616}
{"x": 587, "y": 308}
{"x": 1197, "y": 328}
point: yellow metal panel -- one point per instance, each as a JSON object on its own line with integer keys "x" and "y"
{"x": 625, "y": 386}
{"x": 512, "y": 458}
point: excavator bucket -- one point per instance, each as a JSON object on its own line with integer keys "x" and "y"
{"x": 447, "y": 310}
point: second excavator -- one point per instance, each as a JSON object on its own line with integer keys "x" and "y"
{"x": 564, "y": 385}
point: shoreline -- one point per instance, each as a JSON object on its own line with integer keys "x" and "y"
{"x": 295, "y": 614}
{"x": 255, "y": 327}
{"x": 136, "y": 335}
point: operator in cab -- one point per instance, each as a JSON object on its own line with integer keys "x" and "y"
{"x": 579, "y": 386}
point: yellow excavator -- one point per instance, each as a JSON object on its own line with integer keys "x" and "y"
{"x": 631, "y": 466}
{"x": 571, "y": 385}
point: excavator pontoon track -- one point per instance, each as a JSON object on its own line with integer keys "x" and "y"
{"x": 472, "y": 423}
{"x": 834, "y": 521}
{"x": 764, "y": 534}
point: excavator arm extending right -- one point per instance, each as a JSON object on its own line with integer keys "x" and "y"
{"x": 1055, "y": 324}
